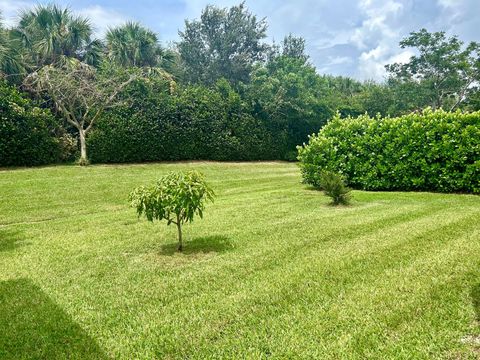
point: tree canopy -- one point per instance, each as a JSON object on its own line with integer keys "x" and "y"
{"x": 224, "y": 43}
{"x": 444, "y": 71}
{"x": 51, "y": 34}
{"x": 133, "y": 45}
{"x": 11, "y": 63}
{"x": 176, "y": 197}
{"x": 79, "y": 93}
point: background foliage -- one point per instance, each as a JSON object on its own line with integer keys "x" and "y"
{"x": 232, "y": 94}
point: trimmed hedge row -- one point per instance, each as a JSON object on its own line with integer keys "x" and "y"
{"x": 434, "y": 151}
{"x": 26, "y": 132}
{"x": 194, "y": 123}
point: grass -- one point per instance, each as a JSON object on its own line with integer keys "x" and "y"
{"x": 271, "y": 272}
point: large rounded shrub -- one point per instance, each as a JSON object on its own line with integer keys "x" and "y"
{"x": 433, "y": 151}
{"x": 27, "y": 132}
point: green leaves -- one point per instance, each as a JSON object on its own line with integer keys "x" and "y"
{"x": 11, "y": 62}
{"x": 194, "y": 122}
{"x": 27, "y": 132}
{"x": 176, "y": 197}
{"x": 435, "y": 151}
{"x": 445, "y": 72}
{"x": 223, "y": 43}
{"x": 52, "y": 34}
{"x": 133, "y": 45}
{"x": 333, "y": 185}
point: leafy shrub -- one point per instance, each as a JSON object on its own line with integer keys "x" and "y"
{"x": 435, "y": 151}
{"x": 334, "y": 187}
{"x": 27, "y": 132}
{"x": 176, "y": 197}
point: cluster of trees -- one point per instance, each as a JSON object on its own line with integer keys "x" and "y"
{"x": 221, "y": 86}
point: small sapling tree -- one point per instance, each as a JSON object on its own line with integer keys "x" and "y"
{"x": 334, "y": 187}
{"x": 176, "y": 197}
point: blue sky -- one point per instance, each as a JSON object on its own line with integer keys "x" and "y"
{"x": 344, "y": 37}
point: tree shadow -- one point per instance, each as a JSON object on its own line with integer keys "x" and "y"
{"x": 32, "y": 326}
{"x": 206, "y": 244}
{"x": 10, "y": 240}
{"x": 476, "y": 300}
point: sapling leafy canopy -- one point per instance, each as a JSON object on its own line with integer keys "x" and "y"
{"x": 176, "y": 197}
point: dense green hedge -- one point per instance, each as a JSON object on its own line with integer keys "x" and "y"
{"x": 193, "y": 123}
{"x": 435, "y": 151}
{"x": 26, "y": 131}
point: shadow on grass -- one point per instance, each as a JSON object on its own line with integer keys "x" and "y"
{"x": 10, "y": 240}
{"x": 207, "y": 244}
{"x": 32, "y": 326}
{"x": 476, "y": 300}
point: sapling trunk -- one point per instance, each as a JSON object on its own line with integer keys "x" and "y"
{"x": 179, "y": 228}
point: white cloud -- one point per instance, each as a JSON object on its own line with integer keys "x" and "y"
{"x": 338, "y": 60}
{"x": 10, "y": 10}
{"x": 376, "y": 23}
{"x": 377, "y": 37}
{"x": 448, "y": 3}
{"x": 402, "y": 57}
{"x": 332, "y": 38}
{"x": 371, "y": 63}
{"x": 334, "y": 61}
{"x": 102, "y": 18}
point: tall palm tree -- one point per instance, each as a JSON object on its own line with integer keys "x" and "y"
{"x": 133, "y": 45}
{"x": 51, "y": 34}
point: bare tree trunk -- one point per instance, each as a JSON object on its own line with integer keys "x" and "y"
{"x": 83, "y": 147}
{"x": 179, "y": 228}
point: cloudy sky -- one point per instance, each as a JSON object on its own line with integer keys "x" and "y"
{"x": 344, "y": 37}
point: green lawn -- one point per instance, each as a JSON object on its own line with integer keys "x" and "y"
{"x": 271, "y": 272}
